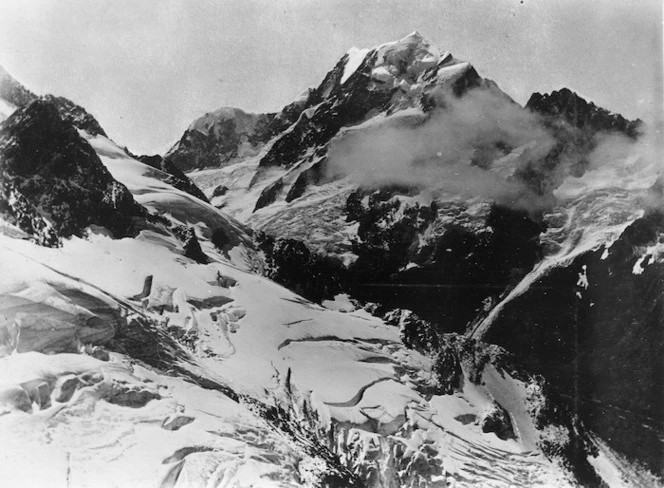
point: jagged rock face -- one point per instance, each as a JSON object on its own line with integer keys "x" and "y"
{"x": 594, "y": 329}
{"x": 75, "y": 115}
{"x": 220, "y": 138}
{"x": 582, "y": 114}
{"x": 576, "y": 125}
{"x": 54, "y": 185}
{"x": 387, "y": 79}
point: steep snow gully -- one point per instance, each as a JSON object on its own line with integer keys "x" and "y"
{"x": 402, "y": 279}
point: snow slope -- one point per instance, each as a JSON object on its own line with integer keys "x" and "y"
{"x": 260, "y": 340}
{"x": 149, "y": 188}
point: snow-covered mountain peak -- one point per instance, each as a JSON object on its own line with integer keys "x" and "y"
{"x": 413, "y": 51}
{"x": 412, "y": 39}
{"x": 212, "y": 121}
{"x": 401, "y": 63}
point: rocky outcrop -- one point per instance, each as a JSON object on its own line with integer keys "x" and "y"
{"x": 440, "y": 261}
{"x": 16, "y": 94}
{"x": 269, "y": 194}
{"x": 497, "y": 420}
{"x": 292, "y": 264}
{"x": 54, "y": 186}
{"x": 192, "y": 248}
{"x": 312, "y": 176}
{"x": 219, "y": 191}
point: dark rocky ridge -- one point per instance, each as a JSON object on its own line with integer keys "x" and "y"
{"x": 54, "y": 185}
{"x": 458, "y": 272}
{"x": 579, "y": 113}
{"x": 576, "y": 126}
{"x": 76, "y": 115}
{"x": 600, "y": 346}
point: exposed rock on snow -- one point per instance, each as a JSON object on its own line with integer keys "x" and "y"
{"x": 497, "y": 420}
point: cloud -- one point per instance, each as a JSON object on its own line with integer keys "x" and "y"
{"x": 459, "y": 149}
{"x": 618, "y": 162}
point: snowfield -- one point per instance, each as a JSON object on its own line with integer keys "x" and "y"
{"x": 263, "y": 342}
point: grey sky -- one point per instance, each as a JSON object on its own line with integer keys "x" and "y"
{"x": 147, "y": 68}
